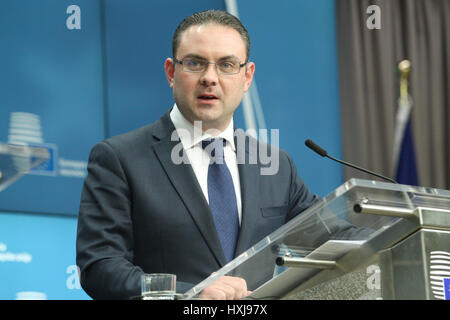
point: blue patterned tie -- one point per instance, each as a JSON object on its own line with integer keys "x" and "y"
{"x": 222, "y": 198}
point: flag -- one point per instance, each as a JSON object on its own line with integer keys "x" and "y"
{"x": 404, "y": 153}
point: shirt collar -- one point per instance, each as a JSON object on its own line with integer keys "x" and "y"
{"x": 191, "y": 136}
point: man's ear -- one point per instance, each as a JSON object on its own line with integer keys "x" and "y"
{"x": 169, "y": 68}
{"x": 249, "y": 72}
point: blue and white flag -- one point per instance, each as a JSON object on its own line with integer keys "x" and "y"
{"x": 404, "y": 153}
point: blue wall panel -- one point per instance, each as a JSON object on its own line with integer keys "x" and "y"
{"x": 295, "y": 51}
{"x": 50, "y": 76}
{"x": 37, "y": 254}
{"x": 138, "y": 41}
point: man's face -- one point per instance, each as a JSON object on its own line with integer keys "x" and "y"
{"x": 208, "y": 96}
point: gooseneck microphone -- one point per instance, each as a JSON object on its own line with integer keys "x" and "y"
{"x": 314, "y": 147}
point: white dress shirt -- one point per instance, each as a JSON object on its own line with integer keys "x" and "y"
{"x": 191, "y": 138}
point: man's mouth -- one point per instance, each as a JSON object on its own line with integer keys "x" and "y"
{"x": 207, "y": 97}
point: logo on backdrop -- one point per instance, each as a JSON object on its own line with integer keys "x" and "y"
{"x": 440, "y": 274}
{"x": 8, "y": 256}
{"x": 25, "y": 129}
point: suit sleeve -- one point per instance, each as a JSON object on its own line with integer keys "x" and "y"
{"x": 105, "y": 233}
{"x": 300, "y": 197}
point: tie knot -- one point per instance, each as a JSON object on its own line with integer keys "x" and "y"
{"x": 211, "y": 145}
{"x": 215, "y": 142}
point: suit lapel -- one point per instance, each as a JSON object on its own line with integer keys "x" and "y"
{"x": 184, "y": 181}
{"x": 249, "y": 180}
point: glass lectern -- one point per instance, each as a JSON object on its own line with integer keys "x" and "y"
{"x": 366, "y": 240}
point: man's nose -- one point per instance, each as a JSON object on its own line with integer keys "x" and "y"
{"x": 210, "y": 76}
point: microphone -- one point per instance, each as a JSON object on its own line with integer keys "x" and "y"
{"x": 322, "y": 152}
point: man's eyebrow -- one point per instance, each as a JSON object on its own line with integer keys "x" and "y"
{"x": 230, "y": 57}
{"x": 196, "y": 56}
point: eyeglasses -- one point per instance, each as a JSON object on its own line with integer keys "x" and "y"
{"x": 196, "y": 65}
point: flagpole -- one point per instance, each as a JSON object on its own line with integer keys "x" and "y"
{"x": 403, "y": 112}
{"x": 405, "y": 167}
{"x": 405, "y": 68}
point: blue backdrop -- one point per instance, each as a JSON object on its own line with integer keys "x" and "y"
{"x": 78, "y": 86}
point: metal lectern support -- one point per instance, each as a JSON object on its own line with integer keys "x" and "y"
{"x": 366, "y": 208}
{"x": 305, "y": 263}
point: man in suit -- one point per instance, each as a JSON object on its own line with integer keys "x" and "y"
{"x": 141, "y": 211}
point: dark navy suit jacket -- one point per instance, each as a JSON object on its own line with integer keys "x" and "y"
{"x": 140, "y": 212}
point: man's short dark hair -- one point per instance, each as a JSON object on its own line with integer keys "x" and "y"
{"x": 211, "y": 16}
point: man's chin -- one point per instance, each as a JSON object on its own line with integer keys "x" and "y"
{"x": 212, "y": 122}
{"x": 207, "y": 116}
